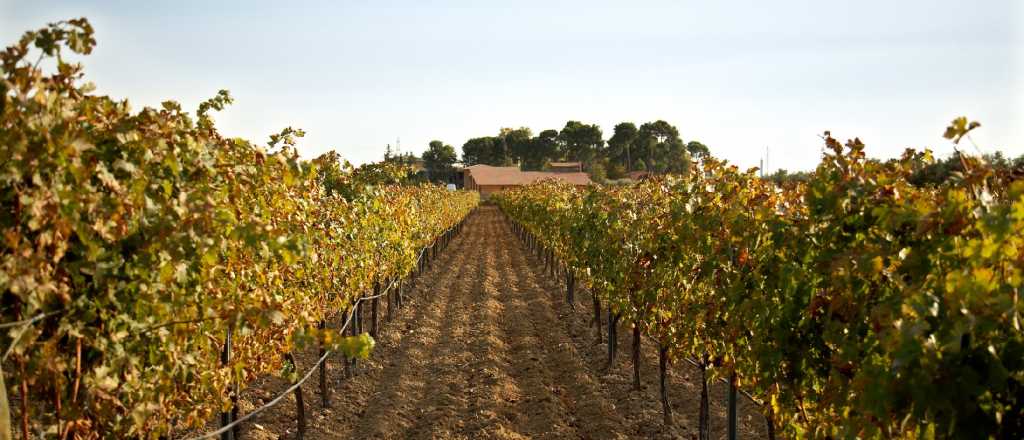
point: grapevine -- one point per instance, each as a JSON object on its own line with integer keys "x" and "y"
{"x": 146, "y": 237}
{"x": 855, "y": 305}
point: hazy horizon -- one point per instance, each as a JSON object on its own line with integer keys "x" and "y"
{"x": 738, "y": 77}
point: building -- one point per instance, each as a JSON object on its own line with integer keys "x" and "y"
{"x": 489, "y": 180}
{"x": 565, "y": 167}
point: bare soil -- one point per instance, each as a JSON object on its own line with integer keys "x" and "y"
{"x": 487, "y": 348}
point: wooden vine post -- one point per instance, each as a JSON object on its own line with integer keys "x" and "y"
{"x": 613, "y": 336}
{"x": 226, "y": 416}
{"x": 300, "y": 407}
{"x": 426, "y": 258}
{"x": 636, "y": 356}
{"x": 399, "y": 297}
{"x": 704, "y": 422}
{"x": 570, "y": 287}
{"x": 325, "y": 400}
{"x": 354, "y": 325}
{"x": 732, "y": 406}
{"x": 433, "y": 251}
{"x": 390, "y": 299}
{"x": 5, "y": 410}
{"x": 374, "y": 304}
{"x": 345, "y": 318}
{"x": 666, "y": 409}
{"x": 357, "y": 319}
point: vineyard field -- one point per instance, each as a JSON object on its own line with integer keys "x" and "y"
{"x": 161, "y": 279}
{"x": 488, "y": 349}
{"x": 856, "y": 304}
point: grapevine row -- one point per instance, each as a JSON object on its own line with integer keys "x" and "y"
{"x": 143, "y": 239}
{"x": 855, "y": 305}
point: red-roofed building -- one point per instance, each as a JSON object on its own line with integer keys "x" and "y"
{"x": 565, "y": 167}
{"x": 489, "y": 180}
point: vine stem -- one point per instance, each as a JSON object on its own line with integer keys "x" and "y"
{"x": 24, "y": 399}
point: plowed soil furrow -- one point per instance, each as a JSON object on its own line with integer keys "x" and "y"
{"x": 487, "y": 348}
{"x": 550, "y": 356}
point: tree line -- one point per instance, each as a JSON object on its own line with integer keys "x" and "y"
{"x": 653, "y": 146}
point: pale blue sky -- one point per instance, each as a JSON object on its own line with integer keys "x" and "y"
{"x": 737, "y": 76}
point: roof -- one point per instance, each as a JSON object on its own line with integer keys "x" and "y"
{"x": 488, "y": 175}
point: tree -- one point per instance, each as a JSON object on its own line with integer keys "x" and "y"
{"x": 783, "y": 177}
{"x": 516, "y": 142}
{"x": 439, "y": 161}
{"x": 621, "y": 144}
{"x": 542, "y": 148}
{"x": 473, "y": 151}
{"x": 616, "y": 170}
{"x": 937, "y": 172}
{"x": 659, "y": 144}
{"x": 581, "y": 142}
{"x": 393, "y": 157}
{"x": 487, "y": 150}
{"x": 677, "y": 158}
{"x": 597, "y": 172}
{"x": 698, "y": 150}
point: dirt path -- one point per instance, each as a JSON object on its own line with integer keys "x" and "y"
{"x": 487, "y": 348}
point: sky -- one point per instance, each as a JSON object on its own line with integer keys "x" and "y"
{"x": 746, "y": 78}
